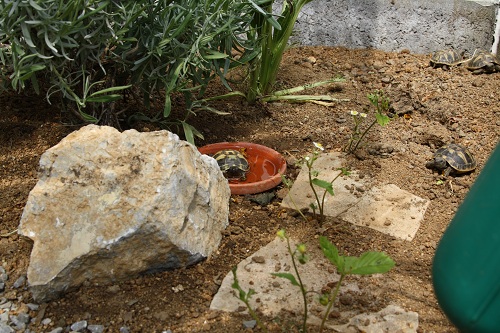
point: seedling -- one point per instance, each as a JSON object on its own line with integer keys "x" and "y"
{"x": 302, "y": 258}
{"x": 367, "y": 263}
{"x": 327, "y": 186}
{"x": 381, "y": 103}
{"x": 245, "y": 296}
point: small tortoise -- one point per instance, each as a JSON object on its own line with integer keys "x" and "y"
{"x": 232, "y": 163}
{"x": 446, "y": 59}
{"x": 452, "y": 158}
{"x": 483, "y": 62}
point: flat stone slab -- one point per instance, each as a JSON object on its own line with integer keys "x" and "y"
{"x": 387, "y": 208}
{"x": 274, "y": 294}
{"x": 390, "y": 319}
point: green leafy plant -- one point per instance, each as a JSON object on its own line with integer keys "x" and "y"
{"x": 381, "y": 103}
{"x": 245, "y": 296}
{"x": 300, "y": 255}
{"x": 273, "y": 35}
{"x": 314, "y": 182}
{"x": 367, "y": 263}
{"x": 89, "y": 52}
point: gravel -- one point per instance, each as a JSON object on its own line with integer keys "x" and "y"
{"x": 15, "y": 315}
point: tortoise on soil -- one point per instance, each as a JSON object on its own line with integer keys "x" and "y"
{"x": 483, "y": 62}
{"x": 452, "y": 158}
{"x": 446, "y": 59}
{"x": 232, "y": 163}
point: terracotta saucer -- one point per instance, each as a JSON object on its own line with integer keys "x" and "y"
{"x": 266, "y": 166}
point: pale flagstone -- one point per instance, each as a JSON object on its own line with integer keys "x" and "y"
{"x": 275, "y": 294}
{"x": 387, "y": 208}
{"x": 390, "y": 319}
{"x": 109, "y": 206}
{"x": 390, "y": 210}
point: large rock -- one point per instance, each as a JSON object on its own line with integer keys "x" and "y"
{"x": 109, "y": 206}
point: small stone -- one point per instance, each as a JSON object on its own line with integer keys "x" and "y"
{"x": 33, "y": 306}
{"x": 259, "y": 259}
{"x": 20, "y": 320}
{"x": 4, "y": 328}
{"x": 311, "y": 59}
{"x": 96, "y": 328}
{"x": 19, "y": 282}
{"x": 386, "y": 79}
{"x": 46, "y": 321}
{"x": 178, "y": 288}
{"x": 124, "y": 329}
{"x": 3, "y": 275}
{"x": 79, "y": 326}
{"x": 378, "y": 65}
{"x": 346, "y": 299}
{"x": 161, "y": 316}
{"x": 113, "y": 289}
{"x": 249, "y": 323}
{"x": 57, "y": 330}
{"x": 6, "y": 305}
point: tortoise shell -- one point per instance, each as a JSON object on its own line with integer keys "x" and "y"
{"x": 445, "y": 59}
{"x": 483, "y": 62}
{"x": 232, "y": 163}
{"x": 452, "y": 157}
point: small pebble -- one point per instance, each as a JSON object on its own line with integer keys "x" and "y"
{"x": 249, "y": 323}
{"x": 20, "y": 321}
{"x": 259, "y": 259}
{"x": 19, "y": 282}
{"x": 96, "y": 328}
{"x": 46, "y": 321}
{"x": 57, "y": 330}
{"x": 33, "y": 306}
{"x": 5, "y": 305}
{"x": 79, "y": 326}
{"x": 4, "y": 328}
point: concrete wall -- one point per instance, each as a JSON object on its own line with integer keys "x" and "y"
{"x": 421, "y": 26}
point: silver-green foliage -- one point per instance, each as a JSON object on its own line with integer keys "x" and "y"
{"x": 90, "y": 50}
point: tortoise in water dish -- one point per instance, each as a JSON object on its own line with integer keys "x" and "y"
{"x": 232, "y": 163}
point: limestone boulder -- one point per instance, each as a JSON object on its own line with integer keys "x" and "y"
{"x": 109, "y": 206}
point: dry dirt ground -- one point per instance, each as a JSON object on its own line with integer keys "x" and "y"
{"x": 440, "y": 107}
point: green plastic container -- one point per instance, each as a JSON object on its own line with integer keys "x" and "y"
{"x": 466, "y": 267}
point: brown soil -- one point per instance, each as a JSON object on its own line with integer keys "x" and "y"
{"x": 440, "y": 107}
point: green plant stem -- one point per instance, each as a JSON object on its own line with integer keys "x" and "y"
{"x": 324, "y": 194}
{"x": 363, "y": 135}
{"x": 309, "y": 166}
{"x": 331, "y": 300}
{"x": 255, "y": 317}
{"x": 301, "y": 285}
{"x": 354, "y": 135}
{"x": 296, "y": 207}
{"x": 244, "y": 297}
